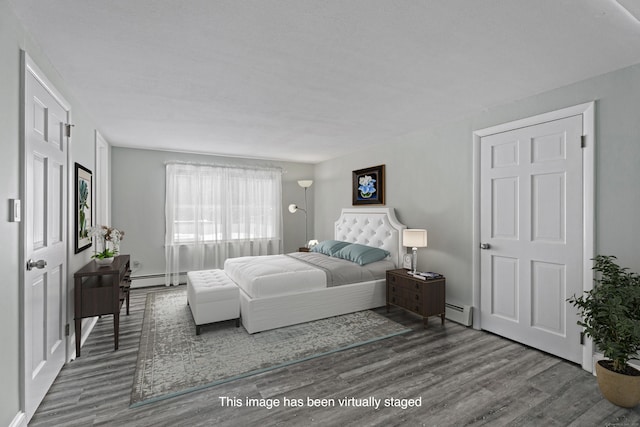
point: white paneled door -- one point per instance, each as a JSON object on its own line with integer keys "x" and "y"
{"x": 44, "y": 273}
{"x": 531, "y": 190}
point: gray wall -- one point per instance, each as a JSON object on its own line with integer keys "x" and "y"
{"x": 13, "y": 37}
{"x": 138, "y": 195}
{"x": 429, "y": 177}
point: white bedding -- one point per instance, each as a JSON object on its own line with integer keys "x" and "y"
{"x": 342, "y": 272}
{"x": 263, "y": 276}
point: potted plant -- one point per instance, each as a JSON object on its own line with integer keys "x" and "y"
{"x": 104, "y": 235}
{"x": 611, "y": 317}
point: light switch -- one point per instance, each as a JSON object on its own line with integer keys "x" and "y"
{"x": 14, "y": 210}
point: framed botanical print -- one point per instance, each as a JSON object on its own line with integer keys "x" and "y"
{"x": 83, "y": 207}
{"x": 368, "y": 186}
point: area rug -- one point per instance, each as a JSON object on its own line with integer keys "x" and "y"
{"x": 173, "y": 360}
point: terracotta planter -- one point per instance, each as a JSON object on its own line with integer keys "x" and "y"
{"x": 619, "y": 389}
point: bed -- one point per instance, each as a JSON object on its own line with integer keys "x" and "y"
{"x": 282, "y": 290}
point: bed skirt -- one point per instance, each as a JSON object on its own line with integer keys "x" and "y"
{"x": 261, "y": 314}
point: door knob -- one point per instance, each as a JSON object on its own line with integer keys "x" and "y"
{"x": 37, "y": 264}
{"x": 485, "y": 246}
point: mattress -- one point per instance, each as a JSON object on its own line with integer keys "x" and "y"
{"x": 271, "y": 275}
{"x": 262, "y": 276}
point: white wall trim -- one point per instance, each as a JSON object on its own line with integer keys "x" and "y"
{"x": 589, "y": 210}
{"x": 153, "y": 280}
{"x": 20, "y": 420}
{"x": 87, "y": 326}
{"x": 103, "y": 180}
{"x": 587, "y": 110}
{"x": 34, "y": 70}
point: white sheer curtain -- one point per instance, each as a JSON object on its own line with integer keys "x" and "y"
{"x": 218, "y": 212}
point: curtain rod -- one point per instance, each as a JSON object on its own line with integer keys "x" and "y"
{"x": 227, "y": 165}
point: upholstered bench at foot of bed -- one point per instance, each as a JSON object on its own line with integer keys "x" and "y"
{"x": 212, "y": 297}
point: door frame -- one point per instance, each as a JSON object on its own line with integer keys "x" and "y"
{"x": 587, "y": 111}
{"x": 102, "y": 180}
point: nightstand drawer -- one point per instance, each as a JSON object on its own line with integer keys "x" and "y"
{"x": 396, "y": 294}
{"x": 396, "y": 300}
{"x": 397, "y": 290}
{"x": 414, "y": 297}
{"x": 415, "y": 307}
{"x": 401, "y": 282}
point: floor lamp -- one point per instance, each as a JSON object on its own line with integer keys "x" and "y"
{"x": 293, "y": 208}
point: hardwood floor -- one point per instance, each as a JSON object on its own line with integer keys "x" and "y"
{"x": 463, "y": 377}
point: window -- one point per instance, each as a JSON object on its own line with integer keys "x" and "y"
{"x": 211, "y": 204}
{"x": 219, "y": 212}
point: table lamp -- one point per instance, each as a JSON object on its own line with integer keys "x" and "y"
{"x": 414, "y": 238}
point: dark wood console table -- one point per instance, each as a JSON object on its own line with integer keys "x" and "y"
{"x": 101, "y": 290}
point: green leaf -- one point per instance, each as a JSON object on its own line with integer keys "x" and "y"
{"x": 610, "y": 312}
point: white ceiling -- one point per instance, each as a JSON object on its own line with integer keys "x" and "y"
{"x": 308, "y": 80}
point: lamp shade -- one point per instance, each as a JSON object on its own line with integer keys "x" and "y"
{"x": 414, "y": 238}
{"x": 305, "y": 183}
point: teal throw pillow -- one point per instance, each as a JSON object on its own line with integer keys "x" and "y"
{"x": 361, "y": 254}
{"x": 329, "y": 247}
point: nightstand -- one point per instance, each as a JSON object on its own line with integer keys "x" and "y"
{"x": 422, "y": 297}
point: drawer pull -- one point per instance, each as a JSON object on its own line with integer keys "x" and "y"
{"x": 417, "y": 297}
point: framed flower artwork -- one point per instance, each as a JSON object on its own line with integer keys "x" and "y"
{"x": 368, "y": 186}
{"x": 83, "y": 207}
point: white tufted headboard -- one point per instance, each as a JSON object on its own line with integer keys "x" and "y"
{"x": 377, "y": 227}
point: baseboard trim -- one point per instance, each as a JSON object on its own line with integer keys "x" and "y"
{"x": 20, "y": 420}
{"x": 153, "y": 280}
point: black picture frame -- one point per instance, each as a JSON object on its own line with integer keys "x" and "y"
{"x": 83, "y": 203}
{"x": 368, "y": 186}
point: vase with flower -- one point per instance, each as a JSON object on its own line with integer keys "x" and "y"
{"x": 367, "y": 186}
{"x": 106, "y": 243}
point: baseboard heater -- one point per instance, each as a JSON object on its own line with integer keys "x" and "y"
{"x": 147, "y": 280}
{"x": 459, "y": 313}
